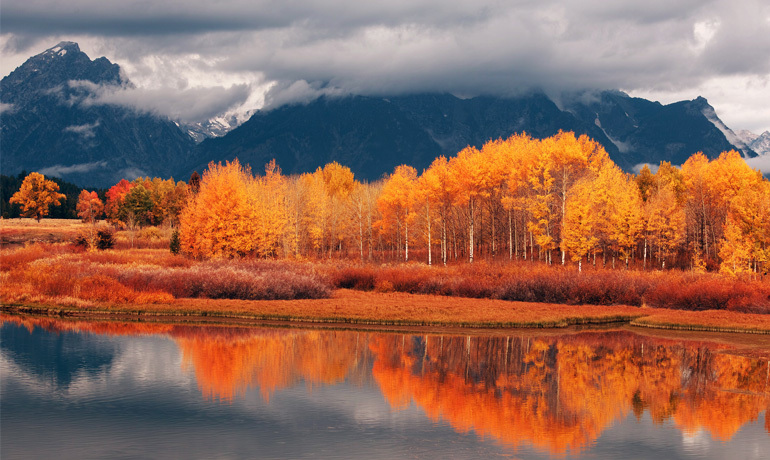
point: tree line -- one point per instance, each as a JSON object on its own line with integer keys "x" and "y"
{"x": 553, "y": 200}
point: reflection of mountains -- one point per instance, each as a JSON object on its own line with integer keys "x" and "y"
{"x": 557, "y": 393}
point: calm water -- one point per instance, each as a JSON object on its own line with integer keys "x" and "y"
{"x": 112, "y": 390}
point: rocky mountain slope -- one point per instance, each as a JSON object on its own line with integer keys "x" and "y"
{"x": 51, "y": 123}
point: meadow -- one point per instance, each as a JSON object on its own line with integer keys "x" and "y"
{"x": 141, "y": 276}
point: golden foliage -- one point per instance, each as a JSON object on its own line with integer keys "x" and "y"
{"x": 36, "y": 195}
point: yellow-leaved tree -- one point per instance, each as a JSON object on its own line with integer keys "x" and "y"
{"x": 219, "y": 221}
{"x": 36, "y": 195}
{"x": 580, "y": 222}
{"x": 396, "y": 204}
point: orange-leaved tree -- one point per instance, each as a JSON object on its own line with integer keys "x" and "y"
{"x": 580, "y": 222}
{"x": 116, "y": 195}
{"x": 89, "y": 206}
{"x": 36, "y": 195}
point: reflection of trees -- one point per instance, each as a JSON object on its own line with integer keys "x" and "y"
{"x": 556, "y": 393}
{"x": 228, "y": 361}
{"x": 559, "y": 394}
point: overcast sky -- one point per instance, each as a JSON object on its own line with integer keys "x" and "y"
{"x": 193, "y": 59}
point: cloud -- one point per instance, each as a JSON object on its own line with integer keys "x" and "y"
{"x": 638, "y": 168}
{"x": 185, "y": 105}
{"x": 761, "y": 163}
{"x": 380, "y": 48}
{"x": 61, "y": 170}
{"x": 297, "y": 92}
{"x": 86, "y": 131}
{"x": 7, "y": 108}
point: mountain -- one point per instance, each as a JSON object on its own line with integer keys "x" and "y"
{"x": 649, "y": 132}
{"x": 760, "y": 143}
{"x": 52, "y": 124}
{"x": 215, "y": 127}
{"x": 372, "y": 135}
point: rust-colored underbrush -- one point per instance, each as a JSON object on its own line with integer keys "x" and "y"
{"x": 61, "y": 272}
{"x": 553, "y": 284}
{"x": 41, "y": 272}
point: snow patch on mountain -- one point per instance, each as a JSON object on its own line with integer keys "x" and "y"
{"x": 623, "y": 147}
{"x": 731, "y": 137}
{"x": 759, "y": 143}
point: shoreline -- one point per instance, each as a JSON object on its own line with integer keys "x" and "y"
{"x": 399, "y": 311}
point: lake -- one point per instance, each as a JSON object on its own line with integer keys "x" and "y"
{"x": 78, "y": 389}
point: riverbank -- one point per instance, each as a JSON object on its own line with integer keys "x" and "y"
{"x": 349, "y": 307}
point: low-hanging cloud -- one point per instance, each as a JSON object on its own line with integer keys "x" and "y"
{"x": 86, "y": 131}
{"x": 6, "y": 108}
{"x": 62, "y": 170}
{"x": 762, "y": 163}
{"x": 186, "y": 105}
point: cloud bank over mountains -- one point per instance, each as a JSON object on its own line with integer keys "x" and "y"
{"x": 230, "y": 56}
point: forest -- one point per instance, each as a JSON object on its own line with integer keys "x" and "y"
{"x": 559, "y": 200}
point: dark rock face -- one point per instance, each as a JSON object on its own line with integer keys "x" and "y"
{"x": 373, "y": 135}
{"x": 648, "y": 132}
{"x": 51, "y": 124}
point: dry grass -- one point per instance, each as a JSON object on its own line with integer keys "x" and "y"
{"x": 347, "y": 306}
{"x": 400, "y": 309}
{"x": 25, "y": 230}
{"x": 709, "y": 320}
{"x": 56, "y": 273}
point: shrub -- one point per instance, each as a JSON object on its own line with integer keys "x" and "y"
{"x": 174, "y": 244}
{"x": 105, "y": 238}
{"x": 361, "y": 278}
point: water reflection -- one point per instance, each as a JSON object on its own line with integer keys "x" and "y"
{"x": 558, "y": 393}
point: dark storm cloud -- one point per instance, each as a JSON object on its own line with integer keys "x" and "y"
{"x": 181, "y": 16}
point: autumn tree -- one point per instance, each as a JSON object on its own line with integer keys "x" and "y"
{"x": 580, "y": 221}
{"x": 219, "y": 220}
{"x": 396, "y": 203}
{"x": 339, "y": 182}
{"x": 746, "y": 243}
{"x": 89, "y": 206}
{"x": 469, "y": 186}
{"x": 664, "y": 222}
{"x": 36, "y": 195}
{"x": 235, "y": 214}
{"x": 116, "y": 196}
{"x": 267, "y": 196}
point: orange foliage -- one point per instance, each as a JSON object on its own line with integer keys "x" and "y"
{"x": 89, "y": 206}
{"x": 560, "y": 394}
{"x": 227, "y": 362}
{"x": 36, "y": 195}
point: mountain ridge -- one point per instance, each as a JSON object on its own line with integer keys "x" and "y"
{"x": 52, "y": 122}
